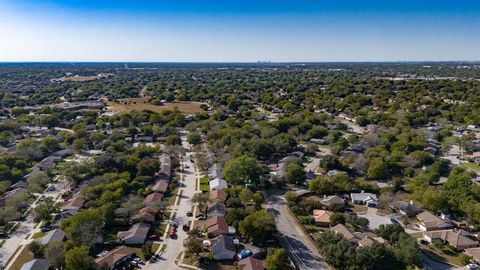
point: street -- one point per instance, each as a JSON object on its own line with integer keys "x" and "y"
{"x": 27, "y": 226}
{"x": 299, "y": 248}
{"x": 187, "y": 188}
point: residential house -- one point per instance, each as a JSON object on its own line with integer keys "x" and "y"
{"x": 223, "y": 248}
{"x": 153, "y": 198}
{"x": 456, "y": 238}
{"x": 331, "y": 200}
{"x": 136, "y": 235}
{"x": 161, "y": 186}
{"x": 146, "y": 214}
{"x": 215, "y": 172}
{"x": 216, "y": 225}
{"x": 476, "y": 157}
{"x": 368, "y": 199}
{"x": 36, "y": 264}
{"x": 55, "y": 235}
{"x": 218, "y": 184}
{"x": 474, "y": 253}
{"x": 430, "y": 222}
{"x": 322, "y": 217}
{"x": 407, "y": 209}
{"x": 113, "y": 258}
{"x": 74, "y": 204}
{"x": 217, "y": 195}
{"x": 216, "y": 209}
{"x": 250, "y": 263}
{"x": 351, "y": 236}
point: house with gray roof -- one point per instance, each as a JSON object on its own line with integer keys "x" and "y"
{"x": 365, "y": 198}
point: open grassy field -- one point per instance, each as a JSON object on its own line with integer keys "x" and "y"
{"x": 472, "y": 166}
{"x": 140, "y": 104}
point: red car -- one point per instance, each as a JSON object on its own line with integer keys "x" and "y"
{"x": 172, "y": 232}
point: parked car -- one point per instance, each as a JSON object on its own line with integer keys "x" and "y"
{"x": 186, "y": 228}
{"x": 189, "y": 214}
{"x": 201, "y": 217}
{"x": 45, "y": 228}
{"x": 187, "y": 167}
{"x": 172, "y": 232}
{"x": 154, "y": 237}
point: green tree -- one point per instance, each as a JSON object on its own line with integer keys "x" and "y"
{"x": 242, "y": 168}
{"x": 295, "y": 173}
{"x": 194, "y": 138}
{"x": 55, "y": 254}
{"x": 77, "y": 258}
{"x": 276, "y": 259}
{"x": 377, "y": 169}
{"x": 258, "y": 227}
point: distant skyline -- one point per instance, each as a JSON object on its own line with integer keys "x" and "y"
{"x": 239, "y": 31}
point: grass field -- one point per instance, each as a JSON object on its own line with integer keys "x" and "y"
{"x": 204, "y": 184}
{"x": 24, "y": 256}
{"x": 140, "y": 104}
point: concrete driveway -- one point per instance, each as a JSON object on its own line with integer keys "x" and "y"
{"x": 374, "y": 219}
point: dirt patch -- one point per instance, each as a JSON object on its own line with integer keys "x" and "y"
{"x": 24, "y": 256}
{"x": 140, "y": 104}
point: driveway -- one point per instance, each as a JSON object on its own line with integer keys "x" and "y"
{"x": 374, "y": 219}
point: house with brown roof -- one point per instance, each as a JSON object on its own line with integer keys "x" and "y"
{"x": 333, "y": 199}
{"x": 250, "y": 263}
{"x": 217, "y": 195}
{"x": 153, "y": 198}
{"x": 322, "y": 217}
{"x": 74, "y": 204}
{"x": 351, "y": 236}
{"x": 136, "y": 235}
{"x": 474, "y": 253}
{"x": 146, "y": 214}
{"x": 113, "y": 258}
{"x": 161, "y": 186}
{"x": 216, "y": 226}
{"x": 456, "y": 238}
{"x": 430, "y": 222}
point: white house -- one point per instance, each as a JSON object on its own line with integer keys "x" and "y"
{"x": 218, "y": 184}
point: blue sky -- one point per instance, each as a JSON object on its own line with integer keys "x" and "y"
{"x": 239, "y": 30}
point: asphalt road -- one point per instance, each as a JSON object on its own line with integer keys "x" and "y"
{"x": 174, "y": 246}
{"x": 300, "y": 249}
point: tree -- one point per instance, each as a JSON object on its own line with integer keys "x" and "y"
{"x": 242, "y": 168}
{"x": 193, "y": 246}
{"x": 194, "y": 138}
{"x": 337, "y": 218}
{"x": 329, "y": 162}
{"x": 36, "y": 249}
{"x": 44, "y": 210}
{"x": 295, "y": 173}
{"x": 147, "y": 166}
{"x": 84, "y": 228}
{"x": 258, "y": 227}
{"x": 77, "y": 258}
{"x": 55, "y": 254}
{"x": 377, "y": 169}
{"x": 276, "y": 259}
{"x": 201, "y": 199}
{"x": 234, "y": 216}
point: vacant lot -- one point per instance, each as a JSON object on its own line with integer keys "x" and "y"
{"x": 140, "y": 104}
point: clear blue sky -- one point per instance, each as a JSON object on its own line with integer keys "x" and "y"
{"x": 239, "y": 30}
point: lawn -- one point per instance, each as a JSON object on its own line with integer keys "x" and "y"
{"x": 24, "y": 256}
{"x": 204, "y": 184}
{"x": 38, "y": 235}
{"x": 140, "y": 104}
{"x": 472, "y": 166}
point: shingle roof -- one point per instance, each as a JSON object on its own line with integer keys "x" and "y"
{"x": 454, "y": 238}
{"x": 36, "y": 264}
{"x": 52, "y": 236}
{"x": 250, "y": 263}
{"x": 138, "y": 230}
{"x": 113, "y": 256}
{"x": 217, "y": 195}
{"x": 160, "y": 186}
{"x": 322, "y": 216}
{"x": 223, "y": 243}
